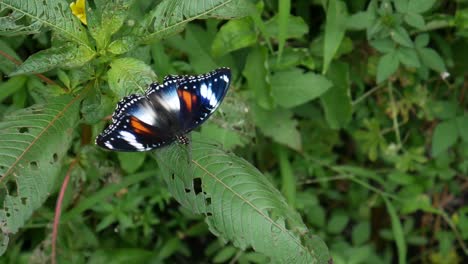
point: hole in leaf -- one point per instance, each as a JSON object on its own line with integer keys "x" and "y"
{"x": 173, "y": 176}
{"x": 209, "y": 214}
{"x": 187, "y": 190}
{"x": 33, "y": 165}
{"x": 24, "y": 200}
{"x": 208, "y": 201}
{"x": 197, "y": 185}
{"x": 7, "y": 214}
{"x": 12, "y": 187}
{"x": 23, "y": 130}
{"x": 55, "y": 157}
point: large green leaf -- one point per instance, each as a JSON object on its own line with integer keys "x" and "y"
{"x": 171, "y": 16}
{"x": 54, "y": 14}
{"x": 239, "y": 203}
{"x": 33, "y": 141}
{"x": 68, "y": 55}
{"x": 129, "y": 75}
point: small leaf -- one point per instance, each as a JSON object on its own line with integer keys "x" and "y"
{"x": 401, "y": 5}
{"x": 256, "y": 73}
{"x": 443, "y": 109}
{"x": 337, "y": 101}
{"x": 130, "y": 162}
{"x": 422, "y": 40}
{"x": 284, "y": 8}
{"x": 420, "y": 6}
{"x": 129, "y": 75}
{"x": 415, "y": 20}
{"x": 234, "y": 35}
{"x": 445, "y": 135}
{"x": 122, "y": 45}
{"x": 384, "y": 45}
{"x": 292, "y": 88}
{"x": 360, "y": 20}
{"x": 224, "y": 254}
{"x": 337, "y": 222}
{"x": 397, "y": 230}
{"x": 296, "y": 27}
{"x": 462, "y": 124}
{"x": 279, "y": 125}
{"x": 401, "y": 36}
{"x": 335, "y": 27}
{"x": 11, "y": 86}
{"x": 408, "y": 57}
{"x": 388, "y": 65}
{"x": 68, "y": 55}
{"x": 361, "y": 233}
{"x": 432, "y": 59}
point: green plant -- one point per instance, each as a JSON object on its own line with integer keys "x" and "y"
{"x": 350, "y": 118}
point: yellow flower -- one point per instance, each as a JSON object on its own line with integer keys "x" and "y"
{"x": 78, "y": 9}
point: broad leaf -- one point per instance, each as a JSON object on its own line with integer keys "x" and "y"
{"x": 445, "y": 135}
{"x": 129, "y": 75}
{"x": 280, "y": 125}
{"x": 256, "y": 73}
{"x": 234, "y": 35}
{"x": 171, "y": 16}
{"x": 67, "y": 56}
{"x": 388, "y": 65}
{"x": 239, "y": 204}
{"x": 292, "y": 88}
{"x": 55, "y": 14}
{"x": 33, "y": 142}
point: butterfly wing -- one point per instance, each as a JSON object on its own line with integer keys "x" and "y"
{"x": 200, "y": 96}
{"x": 140, "y": 123}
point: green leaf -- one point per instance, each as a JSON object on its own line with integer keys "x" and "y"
{"x": 388, "y": 65}
{"x": 335, "y": 26}
{"x": 55, "y": 14}
{"x": 337, "y": 101}
{"x": 224, "y": 254}
{"x": 401, "y": 5}
{"x": 361, "y": 233}
{"x": 360, "y": 20}
{"x": 384, "y": 45}
{"x": 422, "y": 40}
{"x": 397, "y": 230}
{"x": 171, "y": 16}
{"x": 443, "y": 109}
{"x": 294, "y": 87}
{"x": 33, "y": 142}
{"x": 432, "y": 59}
{"x": 122, "y": 45}
{"x": 288, "y": 179}
{"x": 415, "y": 20}
{"x": 66, "y": 56}
{"x": 11, "y": 86}
{"x": 7, "y": 65}
{"x": 337, "y": 222}
{"x": 420, "y": 6}
{"x": 130, "y": 162}
{"x": 417, "y": 202}
{"x": 257, "y": 76}
{"x": 462, "y": 124}
{"x": 279, "y": 125}
{"x": 106, "y": 19}
{"x": 408, "y": 57}
{"x": 129, "y": 75}
{"x": 401, "y": 36}
{"x": 445, "y": 135}
{"x": 239, "y": 204}
{"x": 227, "y": 138}
{"x": 234, "y": 35}
{"x": 284, "y": 9}
{"x": 296, "y": 27}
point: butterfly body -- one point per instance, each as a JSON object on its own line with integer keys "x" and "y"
{"x": 166, "y": 112}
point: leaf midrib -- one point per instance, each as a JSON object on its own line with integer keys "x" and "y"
{"x": 72, "y": 36}
{"x": 251, "y": 205}
{"x": 186, "y": 20}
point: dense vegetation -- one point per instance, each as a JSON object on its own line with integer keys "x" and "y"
{"x": 344, "y": 134}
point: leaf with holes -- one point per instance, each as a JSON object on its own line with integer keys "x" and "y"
{"x": 33, "y": 141}
{"x": 129, "y": 75}
{"x": 239, "y": 203}
{"x": 171, "y": 16}
{"x": 28, "y": 17}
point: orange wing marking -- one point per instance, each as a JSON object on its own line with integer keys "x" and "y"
{"x": 139, "y": 126}
{"x": 187, "y": 97}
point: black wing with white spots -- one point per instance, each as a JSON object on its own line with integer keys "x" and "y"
{"x": 165, "y": 112}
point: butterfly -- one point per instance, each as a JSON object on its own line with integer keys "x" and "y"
{"x": 166, "y": 112}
